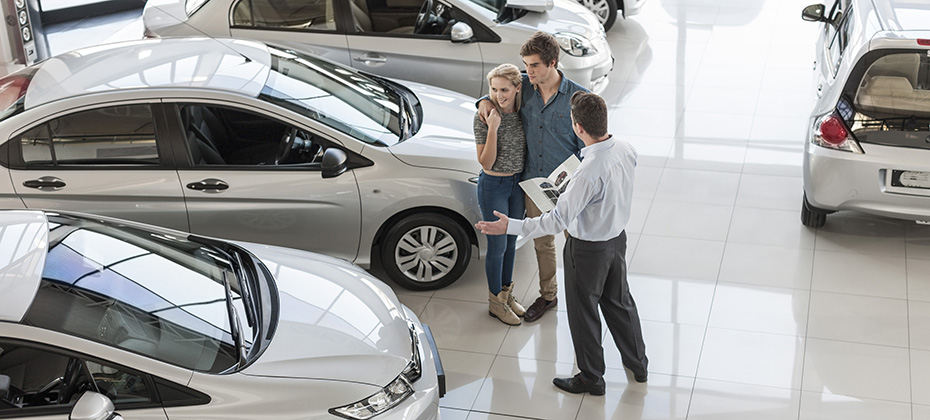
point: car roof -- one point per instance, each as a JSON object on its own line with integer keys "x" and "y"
{"x": 902, "y": 15}
{"x": 23, "y": 247}
{"x": 220, "y": 64}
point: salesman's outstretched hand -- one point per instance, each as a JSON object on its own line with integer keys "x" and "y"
{"x": 494, "y": 228}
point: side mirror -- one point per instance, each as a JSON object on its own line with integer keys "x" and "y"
{"x": 94, "y": 406}
{"x": 813, "y": 13}
{"x": 334, "y": 162}
{"x": 462, "y": 32}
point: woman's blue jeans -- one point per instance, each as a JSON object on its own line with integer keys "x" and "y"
{"x": 501, "y": 193}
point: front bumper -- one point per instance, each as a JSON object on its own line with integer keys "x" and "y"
{"x": 836, "y": 180}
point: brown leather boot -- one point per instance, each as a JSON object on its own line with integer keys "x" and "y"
{"x": 498, "y": 308}
{"x": 514, "y": 304}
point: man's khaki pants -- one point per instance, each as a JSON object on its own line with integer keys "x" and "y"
{"x": 545, "y": 257}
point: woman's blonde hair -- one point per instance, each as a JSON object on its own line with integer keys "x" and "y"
{"x": 512, "y": 74}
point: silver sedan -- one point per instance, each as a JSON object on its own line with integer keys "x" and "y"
{"x": 241, "y": 140}
{"x": 100, "y": 315}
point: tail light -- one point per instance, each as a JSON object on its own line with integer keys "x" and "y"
{"x": 830, "y": 131}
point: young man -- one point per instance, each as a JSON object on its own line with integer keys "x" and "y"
{"x": 550, "y": 140}
{"x": 595, "y": 209}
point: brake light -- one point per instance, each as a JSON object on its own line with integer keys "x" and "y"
{"x": 833, "y": 131}
{"x": 923, "y": 42}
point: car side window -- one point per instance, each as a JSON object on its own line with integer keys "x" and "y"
{"x": 838, "y": 34}
{"x": 117, "y": 135}
{"x": 41, "y": 378}
{"x": 225, "y": 136}
{"x": 315, "y": 15}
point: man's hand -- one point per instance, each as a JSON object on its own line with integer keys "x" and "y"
{"x": 494, "y": 228}
{"x": 484, "y": 109}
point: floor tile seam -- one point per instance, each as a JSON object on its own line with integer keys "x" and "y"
{"x": 769, "y": 245}
{"x": 807, "y": 339}
{"x": 870, "y": 254}
{"x": 506, "y": 415}
{"x": 804, "y": 391}
{"x": 760, "y": 286}
{"x": 857, "y": 294}
{"x": 645, "y": 220}
{"x": 641, "y": 234}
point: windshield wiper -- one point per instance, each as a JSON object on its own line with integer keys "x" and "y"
{"x": 235, "y": 326}
{"x": 245, "y": 289}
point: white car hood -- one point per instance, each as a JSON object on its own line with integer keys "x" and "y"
{"x": 565, "y": 16}
{"x": 336, "y": 321}
{"x": 446, "y": 139}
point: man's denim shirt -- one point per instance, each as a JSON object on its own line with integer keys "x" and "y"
{"x": 548, "y": 127}
{"x": 549, "y": 135}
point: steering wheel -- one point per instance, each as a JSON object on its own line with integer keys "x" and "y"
{"x": 424, "y": 17}
{"x": 294, "y": 143}
{"x": 39, "y": 398}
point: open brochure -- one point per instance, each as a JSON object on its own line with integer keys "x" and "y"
{"x": 546, "y": 191}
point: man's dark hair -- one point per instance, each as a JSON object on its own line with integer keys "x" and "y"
{"x": 542, "y": 44}
{"x": 590, "y": 111}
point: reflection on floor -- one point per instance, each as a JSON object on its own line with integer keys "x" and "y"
{"x": 747, "y": 314}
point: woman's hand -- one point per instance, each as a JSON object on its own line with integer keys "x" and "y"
{"x": 493, "y": 120}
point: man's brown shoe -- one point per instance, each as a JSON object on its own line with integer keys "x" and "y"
{"x": 538, "y": 308}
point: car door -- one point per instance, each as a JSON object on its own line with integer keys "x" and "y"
{"x": 831, "y": 44}
{"x": 45, "y": 382}
{"x": 312, "y": 26}
{"x": 239, "y": 185}
{"x": 392, "y": 49}
{"x": 104, "y": 160}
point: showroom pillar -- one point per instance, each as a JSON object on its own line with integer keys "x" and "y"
{"x": 23, "y": 41}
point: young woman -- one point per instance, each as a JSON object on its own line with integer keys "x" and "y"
{"x": 501, "y": 145}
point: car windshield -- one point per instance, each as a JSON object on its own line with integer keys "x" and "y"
{"x": 345, "y": 100}
{"x": 191, "y": 6}
{"x": 150, "y": 293}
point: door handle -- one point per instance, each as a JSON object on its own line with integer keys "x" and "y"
{"x": 45, "y": 183}
{"x": 209, "y": 185}
{"x": 371, "y": 58}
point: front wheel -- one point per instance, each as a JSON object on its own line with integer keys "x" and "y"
{"x": 605, "y": 10}
{"x": 425, "y": 252}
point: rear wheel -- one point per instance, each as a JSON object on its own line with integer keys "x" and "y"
{"x": 605, "y": 10}
{"x": 812, "y": 216}
{"x": 425, "y": 252}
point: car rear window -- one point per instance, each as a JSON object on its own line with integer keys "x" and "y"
{"x": 890, "y": 103}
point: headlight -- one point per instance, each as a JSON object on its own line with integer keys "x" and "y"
{"x": 383, "y": 400}
{"x": 575, "y": 44}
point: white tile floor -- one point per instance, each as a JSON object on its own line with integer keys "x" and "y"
{"x": 746, "y": 313}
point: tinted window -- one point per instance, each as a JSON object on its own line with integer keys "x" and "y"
{"x": 117, "y": 135}
{"x": 226, "y": 136}
{"x": 157, "y": 295}
{"x": 288, "y": 14}
{"x": 42, "y": 378}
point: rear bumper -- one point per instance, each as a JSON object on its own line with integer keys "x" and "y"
{"x": 835, "y": 180}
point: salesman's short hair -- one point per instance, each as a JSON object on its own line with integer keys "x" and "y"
{"x": 590, "y": 111}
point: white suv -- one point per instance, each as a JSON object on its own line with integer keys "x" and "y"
{"x": 869, "y": 141}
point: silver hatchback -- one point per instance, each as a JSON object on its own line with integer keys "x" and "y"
{"x": 869, "y": 143}
{"x": 240, "y": 140}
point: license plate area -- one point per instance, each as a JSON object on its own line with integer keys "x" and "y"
{"x": 910, "y": 179}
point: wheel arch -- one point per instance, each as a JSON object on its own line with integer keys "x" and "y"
{"x": 391, "y": 221}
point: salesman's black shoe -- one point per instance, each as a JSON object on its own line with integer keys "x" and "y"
{"x": 576, "y": 385}
{"x": 640, "y": 378}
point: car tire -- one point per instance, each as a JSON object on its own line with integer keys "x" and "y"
{"x": 425, "y": 251}
{"x": 812, "y": 216}
{"x": 605, "y": 10}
